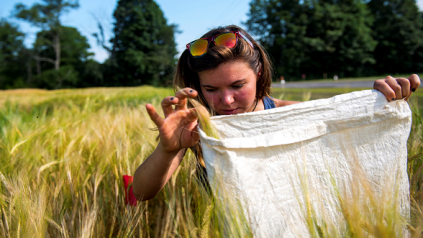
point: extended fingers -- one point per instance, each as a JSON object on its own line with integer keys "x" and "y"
{"x": 182, "y": 96}
{"x": 154, "y": 116}
{"x": 179, "y": 100}
{"x": 167, "y": 105}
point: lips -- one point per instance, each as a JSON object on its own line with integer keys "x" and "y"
{"x": 230, "y": 111}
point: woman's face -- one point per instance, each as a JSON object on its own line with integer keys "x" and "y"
{"x": 230, "y": 88}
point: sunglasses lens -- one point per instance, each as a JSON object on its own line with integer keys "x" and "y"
{"x": 227, "y": 39}
{"x": 198, "y": 48}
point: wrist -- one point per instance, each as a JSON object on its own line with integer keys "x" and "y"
{"x": 163, "y": 150}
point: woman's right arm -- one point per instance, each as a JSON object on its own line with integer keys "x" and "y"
{"x": 152, "y": 175}
{"x": 177, "y": 131}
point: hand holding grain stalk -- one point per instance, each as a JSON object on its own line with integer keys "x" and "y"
{"x": 179, "y": 127}
{"x": 177, "y": 131}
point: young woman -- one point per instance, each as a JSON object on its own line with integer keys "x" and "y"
{"x": 229, "y": 73}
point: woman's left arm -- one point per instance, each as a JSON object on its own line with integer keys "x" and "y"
{"x": 397, "y": 88}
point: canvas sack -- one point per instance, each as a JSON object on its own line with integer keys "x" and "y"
{"x": 260, "y": 157}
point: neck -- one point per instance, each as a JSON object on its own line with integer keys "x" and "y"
{"x": 256, "y": 105}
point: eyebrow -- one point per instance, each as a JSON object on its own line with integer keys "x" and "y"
{"x": 238, "y": 81}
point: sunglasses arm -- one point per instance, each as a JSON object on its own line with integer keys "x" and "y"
{"x": 246, "y": 39}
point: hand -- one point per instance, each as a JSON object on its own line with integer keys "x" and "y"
{"x": 397, "y": 88}
{"x": 179, "y": 127}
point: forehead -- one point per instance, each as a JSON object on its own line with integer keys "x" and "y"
{"x": 227, "y": 73}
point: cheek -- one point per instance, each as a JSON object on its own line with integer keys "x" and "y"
{"x": 246, "y": 95}
{"x": 243, "y": 96}
{"x": 211, "y": 98}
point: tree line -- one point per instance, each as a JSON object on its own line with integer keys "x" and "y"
{"x": 318, "y": 38}
{"x": 350, "y": 38}
{"x": 142, "y": 48}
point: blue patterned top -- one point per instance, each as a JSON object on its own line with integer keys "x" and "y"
{"x": 268, "y": 103}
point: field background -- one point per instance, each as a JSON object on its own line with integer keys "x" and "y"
{"x": 63, "y": 154}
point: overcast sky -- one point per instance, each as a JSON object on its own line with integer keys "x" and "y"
{"x": 194, "y": 18}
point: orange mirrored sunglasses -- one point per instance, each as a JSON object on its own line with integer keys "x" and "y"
{"x": 199, "y": 47}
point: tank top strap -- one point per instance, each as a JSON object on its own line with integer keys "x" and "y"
{"x": 268, "y": 103}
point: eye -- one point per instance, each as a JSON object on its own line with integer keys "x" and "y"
{"x": 238, "y": 86}
{"x": 210, "y": 89}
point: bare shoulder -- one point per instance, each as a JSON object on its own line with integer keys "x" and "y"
{"x": 281, "y": 103}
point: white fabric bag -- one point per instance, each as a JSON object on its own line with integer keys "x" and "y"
{"x": 260, "y": 155}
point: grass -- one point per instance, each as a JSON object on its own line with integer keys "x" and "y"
{"x": 63, "y": 154}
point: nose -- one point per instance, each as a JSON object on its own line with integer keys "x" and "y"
{"x": 227, "y": 98}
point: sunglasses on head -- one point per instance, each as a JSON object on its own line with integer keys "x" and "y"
{"x": 199, "y": 47}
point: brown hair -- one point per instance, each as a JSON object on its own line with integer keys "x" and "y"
{"x": 188, "y": 67}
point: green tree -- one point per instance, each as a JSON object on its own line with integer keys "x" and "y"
{"x": 281, "y": 27}
{"x": 143, "y": 46}
{"x": 77, "y": 68}
{"x": 314, "y": 37}
{"x": 340, "y": 38}
{"x": 12, "y": 56}
{"x": 398, "y": 28}
{"x": 47, "y": 17}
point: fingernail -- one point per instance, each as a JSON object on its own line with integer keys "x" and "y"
{"x": 393, "y": 99}
{"x": 191, "y": 91}
{"x": 413, "y": 89}
{"x": 171, "y": 99}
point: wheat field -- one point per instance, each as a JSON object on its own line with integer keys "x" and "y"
{"x": 63, "y": 154}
